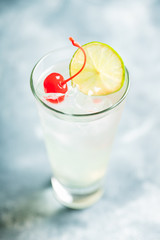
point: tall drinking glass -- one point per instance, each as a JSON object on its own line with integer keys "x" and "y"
{"x": 78, "y": 145}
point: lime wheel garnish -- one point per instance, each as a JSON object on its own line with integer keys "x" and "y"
{"x": 104, "y": 72}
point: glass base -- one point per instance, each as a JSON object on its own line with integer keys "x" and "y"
{"x": 74, "y": 198}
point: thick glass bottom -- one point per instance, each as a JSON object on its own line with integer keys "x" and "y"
{"x": 77, "y": 198}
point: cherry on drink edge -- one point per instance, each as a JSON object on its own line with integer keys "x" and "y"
{"x": 55, "y": 82}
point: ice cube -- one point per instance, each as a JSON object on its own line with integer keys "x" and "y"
{"x": 92, "y": 104}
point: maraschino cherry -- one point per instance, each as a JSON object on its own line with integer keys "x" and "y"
{"x": 55, "y": 82}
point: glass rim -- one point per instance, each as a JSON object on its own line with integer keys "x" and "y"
{"x": 70, "y": 114}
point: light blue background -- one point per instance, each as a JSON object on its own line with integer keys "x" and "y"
{"x": 130, "y": 207}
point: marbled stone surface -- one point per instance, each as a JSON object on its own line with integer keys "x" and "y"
{"x": 130, "y": 207}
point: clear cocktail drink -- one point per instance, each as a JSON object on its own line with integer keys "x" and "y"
{"x": 78, "y": 133}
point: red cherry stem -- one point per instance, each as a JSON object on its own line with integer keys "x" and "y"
{"x": 76, "y": 45}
